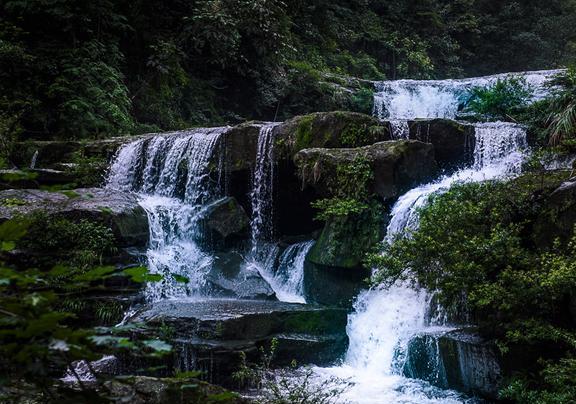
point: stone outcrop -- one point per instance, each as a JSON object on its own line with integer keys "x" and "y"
{"x": 230, "y": 277}
{"x": 329, "y": 130}
{"x": 397, "y": 166}
{"x": 458, "y": 360}
{"x": 211, "y": 334}
{"x": 225, "y": 219}
{"x": 453, "y": 142}
{"x": 120, "y": 211}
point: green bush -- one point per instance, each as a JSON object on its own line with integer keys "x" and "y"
{"x": 473, "y": 247}
{"x": 562, "y": 117}
{"x": 500, "y": 100}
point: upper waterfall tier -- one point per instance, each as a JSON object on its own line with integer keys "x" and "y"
{"x": 411, "y": 99}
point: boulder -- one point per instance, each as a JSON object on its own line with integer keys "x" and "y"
{"x": 211, "y": 334}
{"x": 45, "y": 154}
{"x": 459, "y": 360}
{"x": 397, "y": 166}
{"x": 453, "y": 142}
{"x": 333, "y": 286}
{"x": 225, "y": 219}
{"x": 328, "y": 130}
{"x": 51, "y": 153}
{"x": 120, "y": 211}
{"x": 345, "y": 240}
{"x": 231, "y": 277}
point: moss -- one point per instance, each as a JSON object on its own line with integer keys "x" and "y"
{"x": 345, "y": 240}
{"x": 316, "y": 322}
{"x": 304, "y": 133}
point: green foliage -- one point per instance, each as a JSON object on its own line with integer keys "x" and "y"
{"x": 39, "y": 336}
{"x": 89, "y": 93}
{"x": 363, "y": 101}
{"x": 87, "y": 171}
{"x": 80, "y": 69}
{"x": 473, "y": 248}
{"x": 500, "y": 100}
{"x": 350, "y": 189}
{"x": 562, "y": 118}
{"x": 80, "y": 244}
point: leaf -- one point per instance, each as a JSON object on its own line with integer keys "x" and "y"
{"x": 180, "y": 278}
{"x": 7, "y": 246}
{"x": 13, "y": 230}
{"x": 141, "y": 274}
{"x": 111, "y": 341}
{"x": 158, "y": 345}
{"x": 95, "y": 274}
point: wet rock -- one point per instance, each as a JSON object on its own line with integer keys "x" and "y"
{"x": 231, "y": 277}
{"x": 458, "y": 360}
{"x": 396, "y": 165}
{"x": 453, "y": 142}
{"x": 120, "y": 211}
{"x": 345, "y": 240}
{"x": 333, "y": 286}
{"x": 211, "y": 334}
{"x": 225, "y": 219}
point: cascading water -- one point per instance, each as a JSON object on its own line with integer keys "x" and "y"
{"x": 385, "y": 320}
{"x": 262, "y": 226}
{"x": 172, "y": 174}
{"x": 288, "y": 281}
{"x": 403, "y": 100}
{"x": 264, "y": 251}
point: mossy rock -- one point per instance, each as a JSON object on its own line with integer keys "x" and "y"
{"x": 345, "y": 240}
{"x": 397, "y": 166}
{"x": 329, "y": 130}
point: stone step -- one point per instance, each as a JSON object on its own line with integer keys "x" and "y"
{"x": 210, "y": 335}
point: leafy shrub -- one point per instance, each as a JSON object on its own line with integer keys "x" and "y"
{"x": 350, "y": 189}
{"x": 78, "y": 244}
{"x": 500, "y": 100}
{"x": 562, "y": 117}
{"x": 39, "y": 338}
{"x": 473, "y": 248}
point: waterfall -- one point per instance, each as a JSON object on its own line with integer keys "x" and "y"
{"x": 288, "y": 281}
{"x": 262, "y": 197}
{"x": 264, "y": 251}
{"x": 385, "y": 320}
{"x": 172, "y": 173}
{"x": 34, "y": 159}
{"x": 500, "y": 150}
{"x": 404, "y": 100}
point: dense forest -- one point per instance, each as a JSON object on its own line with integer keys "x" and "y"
{"x": 74, "y": 69}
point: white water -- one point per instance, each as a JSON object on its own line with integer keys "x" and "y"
{"x": 264, "y": 251}
{"x": 403, "y": 100}
{"x": 288, "y": 281}
{"x": 172, "y": 175}
{"x": 384, "y": 320}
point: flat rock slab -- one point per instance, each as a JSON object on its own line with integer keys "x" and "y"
{"x": 245, "y": 319}
{"x": 120, "y": 211}
{"x": 210, "y": 335}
